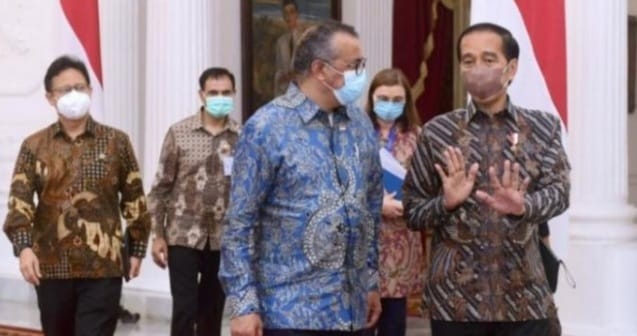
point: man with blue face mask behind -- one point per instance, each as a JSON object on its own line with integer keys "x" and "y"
{"x": 189, "y": 199}
{"x": 299, "y": 253}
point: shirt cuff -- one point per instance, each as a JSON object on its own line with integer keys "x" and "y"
{"x": 21, "y": 239}
{"x": 374, "y": 279}
{"x": 248, "y": 304}
{"x": 138, "y": 249}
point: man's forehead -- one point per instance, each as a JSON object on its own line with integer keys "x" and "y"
{"x": 481, "y": 43}
{"x": 218, "y": 82}
{"x": 68, "y": 75}
{"x": 347, "y": 47}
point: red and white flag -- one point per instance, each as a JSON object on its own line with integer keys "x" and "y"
{"x": 80, "y": 36}
{"x": 540, "y": 83}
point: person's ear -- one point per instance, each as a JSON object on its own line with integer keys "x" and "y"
{"x": 317, "y": 69}
{"x": 50, "y": 97}
{"x": 512, "y": 70}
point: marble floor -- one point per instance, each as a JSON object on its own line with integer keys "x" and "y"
{"x": 20, "y": 314}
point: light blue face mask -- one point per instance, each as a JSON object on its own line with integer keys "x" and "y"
{"x": 387, "y": 110}
{"x": 219, "y": 106}
{"x": 353, "y": 87}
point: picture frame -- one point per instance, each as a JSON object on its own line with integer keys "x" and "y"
{"x": 267, "y": 43}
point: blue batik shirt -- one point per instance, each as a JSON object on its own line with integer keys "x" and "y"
{"x": 300, "y": 241}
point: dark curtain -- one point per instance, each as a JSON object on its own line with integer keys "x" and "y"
{"x": 423, "y": 49}
{"x": 414, "y": 23}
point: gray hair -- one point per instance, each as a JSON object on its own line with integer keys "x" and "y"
{"x": 316, "y": 43}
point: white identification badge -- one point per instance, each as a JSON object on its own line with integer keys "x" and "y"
{"x": 227, "y": 165}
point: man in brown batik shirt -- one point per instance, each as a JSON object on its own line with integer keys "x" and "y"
{"x": 188, "y": 201}
{"x": 483, "y": 179}
{"x": 86, "y": 177}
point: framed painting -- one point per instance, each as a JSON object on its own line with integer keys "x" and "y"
{"x": 270, "y": 30}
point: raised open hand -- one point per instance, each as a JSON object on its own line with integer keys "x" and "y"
{"x": 507, "y": 195}
{"x": 457, "y": 182}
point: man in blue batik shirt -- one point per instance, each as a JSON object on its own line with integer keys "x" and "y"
{"x": 299, "y": 253}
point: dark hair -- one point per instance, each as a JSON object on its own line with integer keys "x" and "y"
{"x": 62, "y": 63}
{"x": 390, "y": 77}
{"x": 316, "y": 44}
{"x": 215, "y": 73}
{"x": 289, "y": 2}
{"x": 510, "y": 46}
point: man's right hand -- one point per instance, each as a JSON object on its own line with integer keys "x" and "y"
{"x": 246, "y": 325}
{"x": 30, "y": 266}
{"x": 457, "y": 183}
{"x": 160, "y": 252}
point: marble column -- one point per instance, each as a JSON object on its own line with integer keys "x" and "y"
{"x": 121, "y": 41}
{"x": 597, "y": 68}
{"x": 603, "y": 235}
{"x": 373, "y": 20}
{"x": 179, "y": 46}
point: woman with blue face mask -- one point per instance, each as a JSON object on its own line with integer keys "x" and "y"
{"x": 391, "y": 108}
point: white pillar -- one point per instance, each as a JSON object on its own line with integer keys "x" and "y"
{"x": 227, "y": 45}
{"x": 373, "y": 20}
{"x": 178, "y": 48}
{"x": 597, "y": 100}
{"x": 603, "y": 248}
{"x": 121, "y": 42}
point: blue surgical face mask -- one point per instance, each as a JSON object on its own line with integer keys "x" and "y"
{"x": 219, "y": 106}
{"x": 387, "y": 110}
{"x": 353, "y": 87}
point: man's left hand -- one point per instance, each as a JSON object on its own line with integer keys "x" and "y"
{"x": 135, "y": 265}
{"x": 373, "y": 309}
{"x": 508, "y": 194}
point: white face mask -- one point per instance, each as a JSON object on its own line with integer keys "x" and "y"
{"x": 74, "y": 105}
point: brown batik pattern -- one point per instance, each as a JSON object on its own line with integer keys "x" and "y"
{"x": 190, "y": 193}
{"x": 83, "y": 187}
{"x": 486, "y": 267}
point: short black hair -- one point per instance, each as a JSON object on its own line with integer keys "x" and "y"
{"x": 62, "y": 63}
{"x": 215, "y": 73}
{"x": 510, "y": 46}
{"x": 290, "y": 2}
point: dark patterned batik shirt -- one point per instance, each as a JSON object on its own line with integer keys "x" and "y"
{"x": 486, "y": 266}
{"x": 83, "y": 187}
{"x": 190, "y": 194}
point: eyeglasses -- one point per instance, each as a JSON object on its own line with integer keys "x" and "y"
{"x": 358, "y": 66}
{"x": 68, "y": 88}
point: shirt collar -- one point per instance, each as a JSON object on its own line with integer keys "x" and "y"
{"x": 57, "y": 129}
{"x": 195, "y": 123}
{"x": 295, "y": 99}
{"x": 510, "y": 110}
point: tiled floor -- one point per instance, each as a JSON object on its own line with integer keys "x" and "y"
{"x": 27, "y": 316}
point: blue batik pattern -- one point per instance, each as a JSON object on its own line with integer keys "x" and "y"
{"x": 300, "y": 242}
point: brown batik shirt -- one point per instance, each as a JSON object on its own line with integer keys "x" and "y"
{"x": 83, "y": 187}
{"x": 190, "y": 194}
{"x": 485, "y": 266}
